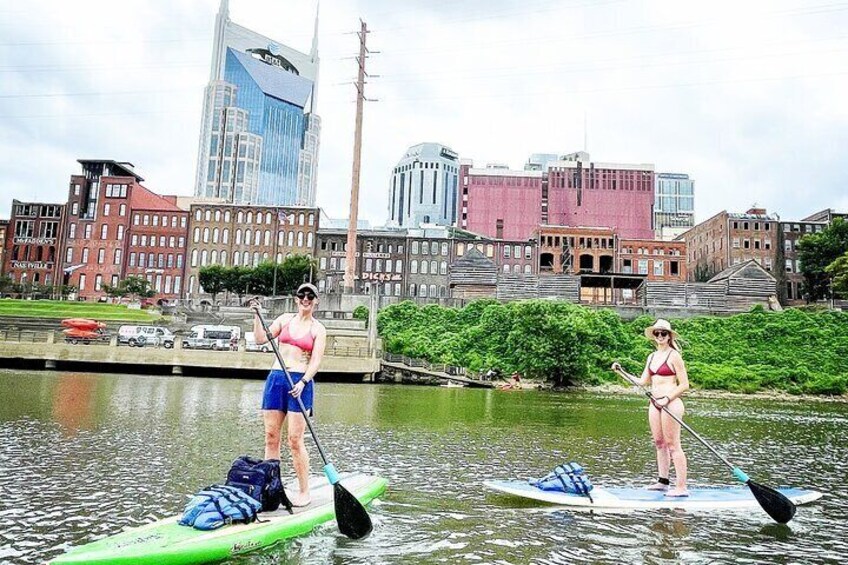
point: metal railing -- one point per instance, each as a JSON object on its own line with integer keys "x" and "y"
{"x": 23, "y": 336}
{"x": 428, "y": 366}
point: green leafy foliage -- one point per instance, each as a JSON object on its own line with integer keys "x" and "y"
{"x": 795, "y": 351}
{"x": 817, "y": 252}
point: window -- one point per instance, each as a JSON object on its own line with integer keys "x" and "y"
{"x": 789, "y": 265}
{"x": 413, "y": 267}
{"x": 98, "y": 283}
{"x": 506, "y": 268}
{"x": 398, "y": 266}
{"x": 425, "y": 247}
{"x": 120, "y": 234}
{"x": 180, "y": 259}
{"x": 88, "y": 228}
{"x": 528, "y": 252}
{"x": 507, "y": 253}
{"x": 193, "y": 257}
{"x": 443, "y": 268}
{"x": 658, "y": 268}
{"x": 135, "y": 219}
{"x": 72, "y": 231}
{"x": 101, "y": 256}
{"x": 75, "y": 208}
{"x": 85, "y": 255}
{"x": 155, "y": 220}
{"x": 106, "y": 209}
{"x": 415, "y": 249}
{"x": 643, "y": 267}
{"x": 424, "y": 265}
{"x": 132, "y": 259}
{"x": 117, "y": 260}
{"x": 145, "y": 220}
{"x": 69, "y": 256}
{"x": 735, "y": 243}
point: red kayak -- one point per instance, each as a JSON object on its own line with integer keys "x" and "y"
{"x": 83, "y": 324}
{"x": 77, "y": 335}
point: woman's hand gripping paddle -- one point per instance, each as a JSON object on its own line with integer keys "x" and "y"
{"x": 780, "y": 508}
{"x": 351, "y": 516}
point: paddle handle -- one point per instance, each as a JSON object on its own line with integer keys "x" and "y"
{"x": 737, "y": 472}
{"x": 329, "y": 469}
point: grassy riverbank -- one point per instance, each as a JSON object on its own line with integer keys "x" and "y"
{"x": 61, "y": 309}
{"x": 794, "y": 351}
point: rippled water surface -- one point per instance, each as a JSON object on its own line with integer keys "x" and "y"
{"x": 84, "y": 455}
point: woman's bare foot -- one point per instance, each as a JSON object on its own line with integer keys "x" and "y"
{"x": 677, "y": 493}
{"x": 300, "y": 499}
{"x": 657, "y": 486}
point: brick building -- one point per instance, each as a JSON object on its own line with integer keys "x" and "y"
{"x": 157, "y": 243}
{"x": 790, "y": 280}
{"x": 568, "y": 190}
{"x": 4, "y": 227}
{"x": 575, "y": 250}
{"x": 659, "y": 260}
{"x": 381, "y": 257}
{"x": 236, "y": 235}
{"x": 730, "y": 239}
{"x": 115, "y": 228}
{"x": 33, "y": 240}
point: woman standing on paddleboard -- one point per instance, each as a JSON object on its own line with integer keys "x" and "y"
{"x": 302, "y": 339}
{"x": 666, "y": 373}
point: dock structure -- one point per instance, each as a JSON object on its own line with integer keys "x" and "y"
{"x": 404, "y": 369}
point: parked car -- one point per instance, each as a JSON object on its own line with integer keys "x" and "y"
{"x": 140, "y": 336}
{"x": 219, "y": 338}
{"x": 251, "y": 345}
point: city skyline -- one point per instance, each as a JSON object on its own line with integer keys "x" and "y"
{"x": 746, "y": 114}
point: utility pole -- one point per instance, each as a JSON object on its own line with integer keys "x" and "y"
{"x": 350, "y": 256}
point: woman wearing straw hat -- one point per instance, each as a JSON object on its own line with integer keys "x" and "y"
{"x": 666, "y": 373}
{"x": 302, "y": 339}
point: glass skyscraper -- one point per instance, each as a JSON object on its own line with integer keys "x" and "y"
{"x": 674, "y": 204}
{"x": 259, "y": 135}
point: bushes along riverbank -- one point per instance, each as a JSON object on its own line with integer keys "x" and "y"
{"x": 567, "y": 344}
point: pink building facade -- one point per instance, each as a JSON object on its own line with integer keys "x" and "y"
{"x": 572, "y": 192}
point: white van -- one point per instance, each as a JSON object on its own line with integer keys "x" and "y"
{"x": 220, "y": 338}
{"x": 251, "y": 345}
{"x": 140, "y": 336}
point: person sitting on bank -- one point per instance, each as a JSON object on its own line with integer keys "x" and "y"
{"x": 302, "y": 340}
{"x": 666, "y": 372}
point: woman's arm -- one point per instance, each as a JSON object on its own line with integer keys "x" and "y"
{"x": 275, "y": 328}
{"x": 682, "y": 376}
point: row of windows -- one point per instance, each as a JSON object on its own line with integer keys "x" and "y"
{"x": 144, "y": 241}
{"x": 26, "y": 228}
{"x": 642, "y": 267}
{"x": 166, "y": 284}
{"x": 245, "y": 258}
{"x": 42, "y": 210}
{"x": 802, "y": 228}
{"x": 156, "y": 260}
{"x": 426, "y": 247}
{"x": 647, "y": 251}
{"x": 748, "y": 244}
{"x": 747, "y": 225}
{"x": 107, "y": 209}
{"x": 104, "y": 231}
{"x": 242, "y": 217}
{"x": 249, "y": 237}
{"x": 115, "y": 191}
{"x": 146, "y": 219}
{"x": 517, "y": 269}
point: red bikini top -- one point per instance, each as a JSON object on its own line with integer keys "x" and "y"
{"x": 663, "y": 370}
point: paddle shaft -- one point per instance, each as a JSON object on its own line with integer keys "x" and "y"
{"x": 647, "y": 393}
{"x": 273, "y": 343}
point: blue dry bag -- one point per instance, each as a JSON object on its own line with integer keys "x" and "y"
{"x": 569, "y": 478}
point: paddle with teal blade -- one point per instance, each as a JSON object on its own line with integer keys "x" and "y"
{"x": 351, "y": 516}
{"x": 776, "y": 505}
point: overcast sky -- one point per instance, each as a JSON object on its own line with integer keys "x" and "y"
{"x": 748, "y": 97}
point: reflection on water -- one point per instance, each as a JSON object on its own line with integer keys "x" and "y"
{"x": 84, "y": 455}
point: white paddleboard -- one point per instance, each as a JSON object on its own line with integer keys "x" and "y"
{"x": 636, "y": 498}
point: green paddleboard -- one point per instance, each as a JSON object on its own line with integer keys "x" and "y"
{"x": 167, "y": 543}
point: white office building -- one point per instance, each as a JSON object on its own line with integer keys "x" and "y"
{"x": 423, "y": 187}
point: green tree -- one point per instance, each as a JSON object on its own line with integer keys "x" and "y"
{"x": 294, "y": 271}
{"x": 816, "y": 252}
{"x": 212, "y": 279}
{"x": 139, "y": 287}
{"x": 237, "y": 280}
{"x": 838, "y": 271}
{"x": 703, "y": 273}
{"x": 117, "y": 291}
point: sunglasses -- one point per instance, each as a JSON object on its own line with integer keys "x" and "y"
{"x": 661, "y": 333}
{"x": 306, "y": 294}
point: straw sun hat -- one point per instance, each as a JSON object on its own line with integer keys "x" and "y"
{"x": 660, "y": 324}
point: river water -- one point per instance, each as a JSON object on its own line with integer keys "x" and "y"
{"x": 83, "y": 455}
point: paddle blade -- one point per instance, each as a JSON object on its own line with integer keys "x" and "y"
{"x": 353, "y": 520}
{"x": 776, "y": 505}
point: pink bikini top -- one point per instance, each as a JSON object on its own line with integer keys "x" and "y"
{"x": 305, "y": 342}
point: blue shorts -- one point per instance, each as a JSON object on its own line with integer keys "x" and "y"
{"x": 277, "y": 393}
